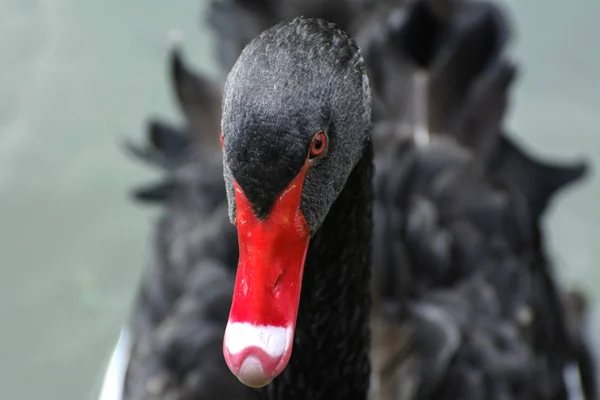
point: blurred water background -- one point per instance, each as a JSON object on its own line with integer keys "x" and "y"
{"x": 76, "y": 77}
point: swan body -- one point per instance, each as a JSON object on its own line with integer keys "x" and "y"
{"x": 442, "y": 324}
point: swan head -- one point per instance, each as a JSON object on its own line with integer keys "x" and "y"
{"x": 296, "y": 121}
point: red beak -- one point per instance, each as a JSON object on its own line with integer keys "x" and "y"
{"x": 260, "y": 331}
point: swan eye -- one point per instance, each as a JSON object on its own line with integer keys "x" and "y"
{"x": 318, "y": 147}
{"x": 221, "y": 140}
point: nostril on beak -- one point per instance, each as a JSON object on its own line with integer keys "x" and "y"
{"x": 278, "y": 281}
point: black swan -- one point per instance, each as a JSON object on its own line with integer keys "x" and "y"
{"x": 170, "y": 360}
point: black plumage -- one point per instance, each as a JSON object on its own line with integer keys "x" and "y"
{"x": 461, "y": 272}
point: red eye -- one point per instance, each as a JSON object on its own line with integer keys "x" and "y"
{"x": 318, "y": 145}
{"x": 221, "y": 139}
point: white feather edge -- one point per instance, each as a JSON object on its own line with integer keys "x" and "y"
{"x": 114, "y": 377}
{"x": 571, "y": 373}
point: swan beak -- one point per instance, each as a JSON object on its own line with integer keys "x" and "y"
{"x": 260, "y": 332}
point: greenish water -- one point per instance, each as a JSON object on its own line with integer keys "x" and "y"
{"x": 78, "y": 76}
